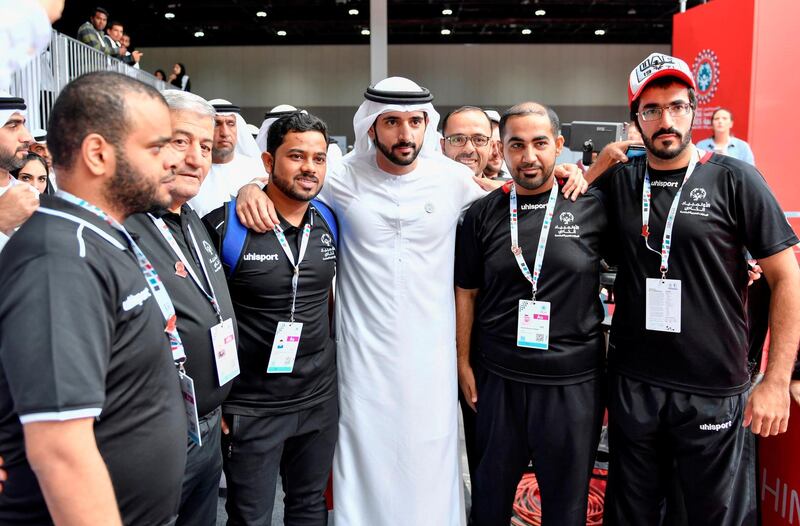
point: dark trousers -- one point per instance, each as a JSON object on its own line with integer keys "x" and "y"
{"x": 558, "y": 426}
{"x": 468, "y": 417}
{"x": 201, "y": 479}
{"x": 299, "y": 446}
{"x": 655, "y": 432}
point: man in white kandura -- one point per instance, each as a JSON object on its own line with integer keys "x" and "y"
{"x": 398, "y": 201}
{"x": 236, "y": 159}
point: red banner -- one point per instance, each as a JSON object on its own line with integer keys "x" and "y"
{"x": 716, "y": 40}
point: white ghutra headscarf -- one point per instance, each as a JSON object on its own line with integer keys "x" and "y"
{"x": 395, "y": 94}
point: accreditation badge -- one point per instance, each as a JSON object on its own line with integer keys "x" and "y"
{"x": 190, "y": 406}
{"x": 225, "y": 356}
{"x": 533, "y": 324}
{"x": 663, "y": 305}
{"x": 284, "y": 347}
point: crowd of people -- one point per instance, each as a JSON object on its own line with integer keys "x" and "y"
{"x": 193, "y": 300}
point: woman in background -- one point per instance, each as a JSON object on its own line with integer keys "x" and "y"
{"x": 179, "y": 78}
{"x": 722, "y": 140}
{"x": 34, "y": 172}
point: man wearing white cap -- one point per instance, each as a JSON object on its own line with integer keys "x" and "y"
{"x": 17, "y": 201}
{"x": 680, "y": 391}
{"x": 235, "y": 156}
{"x": 398, "y": 201}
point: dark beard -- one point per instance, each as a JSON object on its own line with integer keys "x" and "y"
{"x": 667, "y": 155}
{"x": 10, "y": 161}
{"x": 287, "y": 188}
{"x": 130, "y": 190}
{"x": 389, "y": 153}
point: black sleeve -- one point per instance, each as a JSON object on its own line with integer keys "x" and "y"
{"x": 469, "y": 256}
{"x": 56, "y": 330}
{"x": 761, "y": 222}
{"x": 796, "y": 372}
{"x": 214, "y": 222}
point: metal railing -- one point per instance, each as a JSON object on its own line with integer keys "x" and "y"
{"x": 65, "y": 59}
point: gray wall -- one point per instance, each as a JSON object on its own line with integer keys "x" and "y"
{"x": 582, "y": 82}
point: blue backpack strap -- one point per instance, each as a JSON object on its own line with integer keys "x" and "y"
{"x": 233, "y": 238}
{"x": 330, "y": 219}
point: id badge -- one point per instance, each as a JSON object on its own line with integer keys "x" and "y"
{"x": 284, "y": 347}
{"x": 225, "y": 351}
{"x": 533, "y": 324}
{"x": 663, "y": 305}
{"x": 190, "y": 406}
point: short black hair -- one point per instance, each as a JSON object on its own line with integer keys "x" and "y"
{"x": 99, "y": 9}
{"x": 463, "y": 109}
{"x": 84, "y": 106}
{"x": 528, "y": 108}
{"x": 661, "y": 82}
{"x": 115, "y": 23}
{"x": 293, "y": 123}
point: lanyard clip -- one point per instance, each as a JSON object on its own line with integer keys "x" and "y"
{"x": 663, "y": 273}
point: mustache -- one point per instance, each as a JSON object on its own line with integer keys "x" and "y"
{"x": 667, "y": 131}
{"x": 308, "y": 176}
{"x": 405, "y": 145}
{"x": 461, "y": 156}
{"x": 525, "y": 166}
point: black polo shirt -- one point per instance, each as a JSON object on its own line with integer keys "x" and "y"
{"x": 195, "y": 314}
{"x": 725, "y": 207}
{"x": 569, "y": 281}
{"x": 262, "y": 295}
{"x": 81, "y": 335}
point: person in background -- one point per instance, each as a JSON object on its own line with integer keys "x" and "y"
{"x": 34, "y": 172}
{"x": 179, "y": 78}
{"x": 496, "y": 167}
{"x": 722, "y": 140}
{"x": 91, "y": 32}
{"x": 160, "y": 75}
{"x": 131, "y": 58}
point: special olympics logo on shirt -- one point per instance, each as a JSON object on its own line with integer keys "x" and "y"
{"x": 698, "y": 194}
{"x": 566, "y": 218}
{"x": 326, "y": 240}
{"x": 207, "y": 246}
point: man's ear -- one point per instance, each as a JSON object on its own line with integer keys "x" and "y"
{"x": 268, "y": 161}
{"x": 98, "y": 155}
{"x": 371, "y": 133}
{"x": 559, "y": 144}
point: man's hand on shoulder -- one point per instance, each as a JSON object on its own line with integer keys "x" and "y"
{"x": 488, "y": 184}
{"x": 575, "y": 184}
{"x": 255, "y": 209}
{"x": 16, "y": 206}
{"x": 613, "y": 153}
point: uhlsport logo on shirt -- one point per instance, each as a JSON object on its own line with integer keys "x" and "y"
{"x": 252, "y": 256}
{"x": 716, "y": 427}
{"x": 665, "y": 184}
{"x": 566, "y": 226}
{"x": 136, "y": 300}
{"x": 533, "y": 206}
{"x": 696, "y": 205}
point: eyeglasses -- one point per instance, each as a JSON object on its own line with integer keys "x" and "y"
{"x": 478, "y": 140}
{"x": 679, "y": 109}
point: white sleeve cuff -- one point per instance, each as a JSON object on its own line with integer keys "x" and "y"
{"x": 60, "y": 416}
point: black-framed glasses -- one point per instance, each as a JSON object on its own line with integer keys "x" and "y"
{"x": 460, "y": 140}
{"x": 678, "y": 109}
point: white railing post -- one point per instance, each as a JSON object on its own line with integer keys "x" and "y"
{"x": 43, "y": 78}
